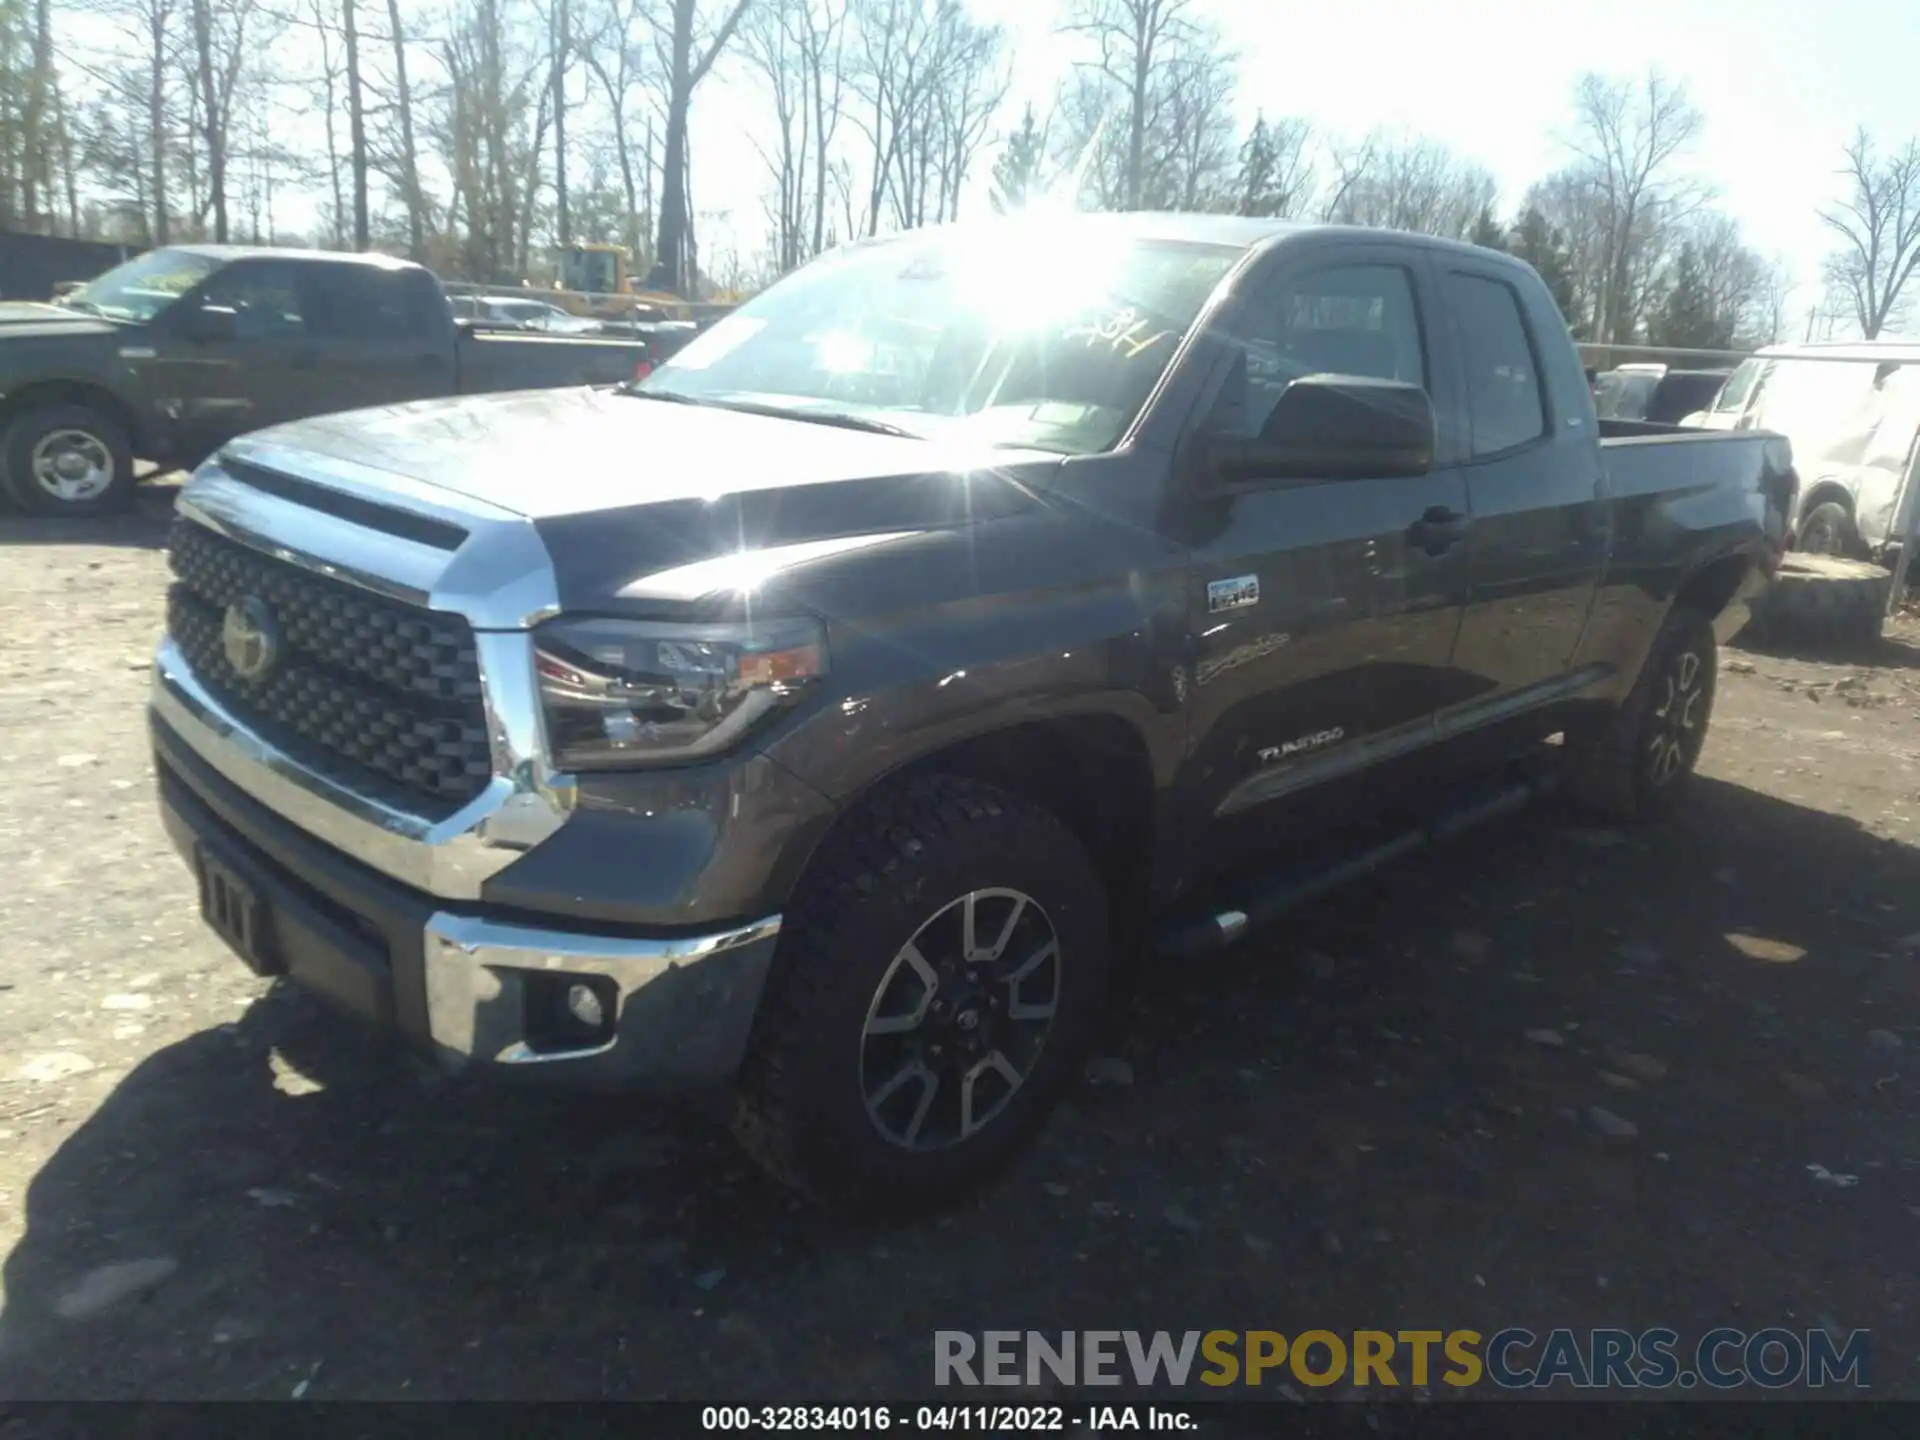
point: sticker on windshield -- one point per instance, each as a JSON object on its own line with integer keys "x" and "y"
{"x": 726, "y": 336}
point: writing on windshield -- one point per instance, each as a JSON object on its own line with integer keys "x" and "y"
{"x": 1050, "y": 347}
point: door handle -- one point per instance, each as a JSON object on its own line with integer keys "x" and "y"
{"x": 1439, "y": 529}
{"x": 428, "y": 361}
{"x": 306, "y": 360}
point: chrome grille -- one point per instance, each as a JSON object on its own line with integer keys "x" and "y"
{"x": 381, "y": 696}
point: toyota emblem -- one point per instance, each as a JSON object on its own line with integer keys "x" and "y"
{"x": 250, "y": 637}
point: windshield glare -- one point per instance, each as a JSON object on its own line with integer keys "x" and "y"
{"x": 1016, "y": 339}
{"x": 144, "y": 286}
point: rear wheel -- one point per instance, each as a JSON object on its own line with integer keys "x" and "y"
{"x": 937, "y": 977}
{"x": 1636, "y": 762}
{"x": 68, "y": 460}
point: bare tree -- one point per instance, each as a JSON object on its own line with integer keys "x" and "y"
{"x": 616, "y": 58}
{"x": 773, "y": 50}
{"x": 1628, "y": 136}
{"x": 687, "y": 51}
{"x": 1408, "y": 183}
{"x": 1879, "y": 229}
{"x": 219, "y": 51}
{"x": 1132, "y": 40}
{"x": 409, "y": 163}
{"x": 356, "y": 123}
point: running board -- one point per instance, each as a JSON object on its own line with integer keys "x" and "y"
{"x": 1265, "y": 898}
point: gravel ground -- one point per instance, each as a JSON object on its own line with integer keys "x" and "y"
{"x": 1382, "y": 1117}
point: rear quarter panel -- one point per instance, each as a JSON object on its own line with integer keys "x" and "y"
{"x": 1681, "y": 502}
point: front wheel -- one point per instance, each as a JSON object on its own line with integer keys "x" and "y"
{"x": 937, "y": 977}
{"x": 68, "y": 460}
{"x": 1634, "y": 764}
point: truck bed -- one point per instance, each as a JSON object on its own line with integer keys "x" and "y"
{"x": 493, "y": 360}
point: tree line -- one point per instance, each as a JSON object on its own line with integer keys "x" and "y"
{"x": 477, "y": 135}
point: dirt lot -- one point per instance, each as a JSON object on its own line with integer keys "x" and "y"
{"x": 1349, "y": 1126}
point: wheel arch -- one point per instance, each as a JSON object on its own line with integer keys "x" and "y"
{"x": 41, "y": 394}
{"x": 1820, "y": 493}
{"x": 1091, "y": 769}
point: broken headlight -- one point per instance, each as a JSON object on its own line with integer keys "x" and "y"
{"x": 635, "y": 692}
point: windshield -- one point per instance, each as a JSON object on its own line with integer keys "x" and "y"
{"x": 143, "y": 287}
{"x": 1015, "y": 337}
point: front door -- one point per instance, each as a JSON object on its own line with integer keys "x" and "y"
{"x": 214, "y": 389}
{"x": 1324, "y": 613}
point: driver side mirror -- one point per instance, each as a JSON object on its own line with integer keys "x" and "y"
{"x": 213, "y": 324}
{"x": 1330, "y": 427}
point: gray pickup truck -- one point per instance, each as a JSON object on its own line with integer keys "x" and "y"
{"x": 178, "y": 350}
{"x": 831, "y": 714}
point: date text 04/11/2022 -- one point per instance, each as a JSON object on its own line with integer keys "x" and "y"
{"x": 944, "y": 1419}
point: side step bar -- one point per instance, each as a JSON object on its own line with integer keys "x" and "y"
{"x": 1267, "y": 897}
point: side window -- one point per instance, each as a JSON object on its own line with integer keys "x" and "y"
{"x": 1503, "y": 381}
{"x": 362, "y": 302}
{"x": 1733, "y": 395}
{"x": 263, "y": 297}
{"x": 1353, "y": 320}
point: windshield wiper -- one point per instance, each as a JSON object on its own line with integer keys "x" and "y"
{"x": 839, "y": 419}
{"x": 85, "y": 307}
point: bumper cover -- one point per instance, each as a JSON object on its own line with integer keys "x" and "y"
{"x": 464, "y": 984}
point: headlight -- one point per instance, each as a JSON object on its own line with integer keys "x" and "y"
{"x": 636, "y": 692}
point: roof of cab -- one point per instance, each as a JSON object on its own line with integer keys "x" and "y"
{"x": 1239, "y": 232}
{"x": 280, "y": 252}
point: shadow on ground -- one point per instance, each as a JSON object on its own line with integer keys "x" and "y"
{"x": 1344, "y": 1126}
{"x": 143, "y": 525}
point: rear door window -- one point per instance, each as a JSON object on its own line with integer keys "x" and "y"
{"x": 368, "y": 303}
{"x": 1504, "y": 392}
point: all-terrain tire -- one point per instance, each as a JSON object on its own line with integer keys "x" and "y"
{"x": 889, "y": 876}
{"x": 1635, "y": 762}
{"x": 67, "y": 460}
{"x": 1822, "y": 600}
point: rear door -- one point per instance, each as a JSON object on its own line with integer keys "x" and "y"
{"x": 1324, "y": 613}
{"x": 382, "y": 335}
{"x": 1535, "y": 486}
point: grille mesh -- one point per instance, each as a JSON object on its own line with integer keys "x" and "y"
{"x": 380, "y": 696}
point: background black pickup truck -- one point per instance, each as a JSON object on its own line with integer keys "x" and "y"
{"x": 175, "y": 352}
{"x": 831, "y": 714}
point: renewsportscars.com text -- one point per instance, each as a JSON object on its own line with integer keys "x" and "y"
{"x": 1512, "y": 1359}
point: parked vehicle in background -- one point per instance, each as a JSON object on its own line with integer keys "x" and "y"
{"x": 177, "y": 351}
{"x": 1852, "y": 411}
{"x": 535, "y": 315}
{"x": 829, "y": 714}
{"x": 1655, "y": 392}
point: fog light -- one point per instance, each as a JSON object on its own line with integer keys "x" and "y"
{"x": 585, "y": 1006}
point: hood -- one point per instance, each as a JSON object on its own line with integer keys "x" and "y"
{"x": 20, "y": 319}
{"x": 627, "y": 493}
{"x": 550, "y": 453}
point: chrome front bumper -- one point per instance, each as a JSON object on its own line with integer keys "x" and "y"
{"x": 472, "y": 990}
{"x": 683, "y": 1007}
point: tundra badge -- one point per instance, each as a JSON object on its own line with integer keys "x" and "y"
{"x": 1235, "y": 594}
